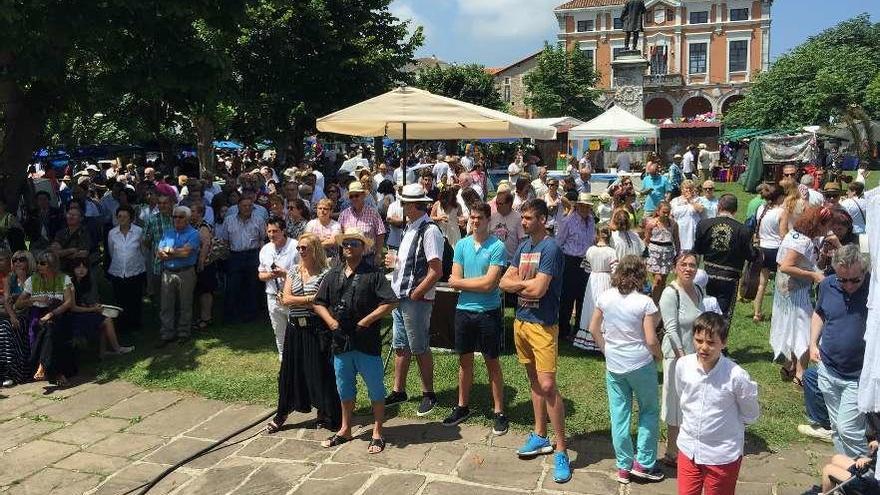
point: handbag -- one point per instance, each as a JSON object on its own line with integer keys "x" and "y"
{"x": 748, "y": 284}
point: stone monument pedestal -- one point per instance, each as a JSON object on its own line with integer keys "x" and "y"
{"x": 629, "y": 81}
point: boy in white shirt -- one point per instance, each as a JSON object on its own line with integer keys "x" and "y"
{"x": 718, "y": 400}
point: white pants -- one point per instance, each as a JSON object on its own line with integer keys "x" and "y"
{"x": 278, "y": 317}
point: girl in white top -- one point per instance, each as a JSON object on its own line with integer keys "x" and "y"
{"x": 599, "y": 261}
{"x": 687, "y": 210}
{"x": 770, "y": 233}
{"x": 623, "y": 240}
{"x": 629, "y": 342}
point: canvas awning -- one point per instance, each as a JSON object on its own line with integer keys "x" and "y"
{"x": 614, "y": 123}
{"x": 562, "y": 124}
{"x": 428, "y": 116}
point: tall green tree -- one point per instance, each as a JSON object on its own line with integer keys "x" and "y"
{"x": 469, "y": 83}
{"x": 297, "y": 61}
{"x": 816, "y": 80}
{"x": 563, "y": 84}
{"x": 872, "y": 97}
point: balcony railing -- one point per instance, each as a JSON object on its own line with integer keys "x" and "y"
{"x": 662, "y": 80}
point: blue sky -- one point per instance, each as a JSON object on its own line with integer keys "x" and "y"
{"x": 498, "y": 32}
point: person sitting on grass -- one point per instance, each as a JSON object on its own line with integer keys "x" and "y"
{"x": 86, "y": 315}
{"x": 718, "y": 399}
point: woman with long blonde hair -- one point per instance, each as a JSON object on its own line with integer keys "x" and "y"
{"x": 306, "y": 378}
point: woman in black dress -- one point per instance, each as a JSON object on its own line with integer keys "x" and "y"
{"x": 306, "y": 378}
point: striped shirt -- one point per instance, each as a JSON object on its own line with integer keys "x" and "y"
{"x": 576, "y": 234}
{"x": 413, "y": 257}
{"x": 367, "y": 221}
{"x": 243, "y": 235}
{"x": 298, "y": 288}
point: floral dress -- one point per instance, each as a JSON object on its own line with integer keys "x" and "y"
{"x": 661, "y": 250}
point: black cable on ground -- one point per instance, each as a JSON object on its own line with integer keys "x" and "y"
{"x": 155, "y": 481}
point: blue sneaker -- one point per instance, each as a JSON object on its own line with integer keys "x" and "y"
{"x": 535, "y": 445}
{"x": 561, "y": 468}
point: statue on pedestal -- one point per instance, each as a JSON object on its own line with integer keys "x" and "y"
{"x": 632, "y": 19}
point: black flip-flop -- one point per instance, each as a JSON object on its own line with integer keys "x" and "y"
{"x": 376, "y": 442}
{"x": 334, "y": 441}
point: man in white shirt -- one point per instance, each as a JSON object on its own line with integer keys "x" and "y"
{"x": 467, "y": 161}
{"x": 814, "y": 197}
{"x": 381, "y": 175}
{"x": 276, "y": 258}
{"x": 708, "y": 200}
{"x": 417, "y": 268}
{"x": 688, "y": 163}
{"x": 440, "y": 168}
{"x": 540, "y": 184}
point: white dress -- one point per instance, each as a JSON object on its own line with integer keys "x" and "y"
{"x": 687, "y": 218}
{"x": 602, "y": 260}
{"x": 625, "y": 243}
{"x": 869, "y": 382}
{"x": 792, "y": 308}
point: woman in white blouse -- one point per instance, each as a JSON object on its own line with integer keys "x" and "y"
{"x": 127, "y": 272}
{"x": 687, "y": 210}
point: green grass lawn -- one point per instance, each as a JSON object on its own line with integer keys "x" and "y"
{"x": 239, "y": 363}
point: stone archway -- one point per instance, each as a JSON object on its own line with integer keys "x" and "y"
{"x": 659, "y": 108}
{"x": 696, "y": 105}
{"x": 725, "y": 107}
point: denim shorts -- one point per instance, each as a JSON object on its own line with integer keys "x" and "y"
{"x": 350, "y": 364}
{"x": 412, "y": 326}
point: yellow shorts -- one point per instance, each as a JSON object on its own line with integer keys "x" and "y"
{"x": 536, "y": 343}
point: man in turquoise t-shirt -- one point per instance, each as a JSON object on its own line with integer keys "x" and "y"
{"x": 477, "y": 266}
{"x": 655, "y": 188}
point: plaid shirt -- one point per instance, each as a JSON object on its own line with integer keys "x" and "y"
{"x": 368, "y": 222}
{"x": 155, "y": 228}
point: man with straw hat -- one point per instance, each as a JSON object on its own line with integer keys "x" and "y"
{"x": 351, "y": 301}
{"x": 577, "y": 232}
{"x": 417, "y": 267}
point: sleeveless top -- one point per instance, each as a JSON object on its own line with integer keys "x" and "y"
{"x": 298, "y": 288}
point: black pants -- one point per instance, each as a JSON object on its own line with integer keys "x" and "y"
{"x": 725, "y": 292}
{"x": 242, "y": 286}
{"x": 574, "y": 282}
{"x": 128, "y": 294}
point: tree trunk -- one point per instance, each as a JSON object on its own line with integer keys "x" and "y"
{"x": 205, "y": 145}
{"x": 24, "y": 116}
{"x": 379, "y": 148}
{"x": 297, "y": 148}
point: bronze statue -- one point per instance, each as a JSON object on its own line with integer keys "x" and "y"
{"x": 632, "y": 19}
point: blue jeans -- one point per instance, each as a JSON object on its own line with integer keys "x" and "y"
{"x": 621, "y": 387}
{"x": 412, "y": 326}
{"x": 847, "y": 422}
{"x": 817, "y": 412}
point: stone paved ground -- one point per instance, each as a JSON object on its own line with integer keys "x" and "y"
{"x": 110, "y": 438}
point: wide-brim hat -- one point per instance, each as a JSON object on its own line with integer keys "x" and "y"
{"x": 356, "y": 188}
{"x": 290, "y": 173}
{"x": 414, "y": 193}
{"x": 352, "y": 233}
{"x": 702, "y": 146}
{"x": 585, "y": 198}
{"x": 450, "y": 158}
{"x": 832, "y": 188}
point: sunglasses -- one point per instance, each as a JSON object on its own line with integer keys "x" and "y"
{"x": 352, "y": 244}
{"x": 42, "y": 263}
{"x": 789, "y": 175}
{"x": 854, "y": 280}
{"x": 355, "y": 196}
{"x": 302, "y": 248}
{"x": 16, "y": 260}
{"x": 708, "y": 188}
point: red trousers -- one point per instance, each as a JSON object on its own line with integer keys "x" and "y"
{"x": 699, "y": 479}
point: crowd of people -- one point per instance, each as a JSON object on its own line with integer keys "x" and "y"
{"x": 641, "y": 274}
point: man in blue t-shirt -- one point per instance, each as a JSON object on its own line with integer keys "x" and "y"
{"x": 477, "y": 266}
{"x": 655, "y": 188}
{"x": 178, "y": 251}
{"x": 837, "y": 343}
{"x": 535, "y": 276}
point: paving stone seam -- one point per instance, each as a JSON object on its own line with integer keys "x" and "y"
{"x": 179, "y": 398}
{"x": 308, "y": 475}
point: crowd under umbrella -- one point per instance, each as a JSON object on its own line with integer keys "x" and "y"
{"x": 411, "y": 113}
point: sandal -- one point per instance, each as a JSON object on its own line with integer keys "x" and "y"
{"x": 275, "y": 425}
{"x": 377, "y": 445}
{"x": 798, "y": 381}
{"x": 786, "y": 374}
{"x": 335, "y": 441}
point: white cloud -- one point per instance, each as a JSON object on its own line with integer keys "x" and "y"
{"x": 506, "y": 19}
{"x": 405, "y": 12}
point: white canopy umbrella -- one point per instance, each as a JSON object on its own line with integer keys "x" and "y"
{"x": 615, "y": 123}
{"x": 412, "y": 113}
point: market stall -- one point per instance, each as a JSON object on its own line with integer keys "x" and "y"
{"x": 611, "y": 134}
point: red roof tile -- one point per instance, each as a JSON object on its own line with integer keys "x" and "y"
{"x": 581, "y": 4}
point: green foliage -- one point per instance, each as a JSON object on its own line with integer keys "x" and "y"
{"x": 469, "y": 83}
{"x": 872, "y": 97}
{"x": 814, "y": 81}
{"x": 563, "y": 84}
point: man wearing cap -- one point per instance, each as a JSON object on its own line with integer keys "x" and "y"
{"x": 704, "y": 162}
{"x": 831, "y": 192}
{"x": 676, "y": 176}
{"x": 577, "y": 232}
{"x": 417, "y": 268}
{"x": 351, "y": 301}
{"x": 366, "y": 220}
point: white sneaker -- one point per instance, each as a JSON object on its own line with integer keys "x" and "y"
{"x": 8, "y": 383}
{"x": 815, "y": 431}
{"x": 125, "y": 350}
